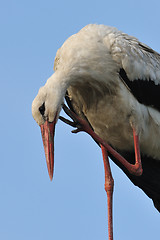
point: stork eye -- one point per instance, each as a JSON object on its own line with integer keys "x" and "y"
{"x": 42, "y": 109}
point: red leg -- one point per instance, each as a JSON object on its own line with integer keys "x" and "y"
{"x": 135, "y": 169}
{"x": 109, "y": 184}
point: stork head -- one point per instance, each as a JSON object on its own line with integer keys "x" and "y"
{"x": 78, "y": 58}
{"x": 45, "y": 110}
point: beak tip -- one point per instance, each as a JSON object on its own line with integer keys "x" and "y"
{"x": 51, "y": 176}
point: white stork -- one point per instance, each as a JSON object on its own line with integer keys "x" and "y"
{"x": 113, "y": 89}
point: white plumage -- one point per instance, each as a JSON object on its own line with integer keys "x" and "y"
{"x": 113, "y": 80}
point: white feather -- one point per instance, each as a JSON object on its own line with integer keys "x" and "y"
{"x": 87, "y": 65}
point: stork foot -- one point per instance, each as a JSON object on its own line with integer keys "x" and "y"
{"x": 80, "y": 124}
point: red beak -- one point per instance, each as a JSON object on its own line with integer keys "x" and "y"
{"x": 47, "y": 130}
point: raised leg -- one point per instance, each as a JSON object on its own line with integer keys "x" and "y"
{"x": 82, "y": 125}
{"x": 109, "y": 184}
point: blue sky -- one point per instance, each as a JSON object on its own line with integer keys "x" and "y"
{"x": 73, "y": 205}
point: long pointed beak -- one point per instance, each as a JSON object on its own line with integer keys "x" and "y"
{"x": 47, "y": 130}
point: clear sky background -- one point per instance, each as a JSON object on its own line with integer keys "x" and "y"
{"x": 73, "y": 205}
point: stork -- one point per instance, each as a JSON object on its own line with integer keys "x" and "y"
{"x": 111, "y": 83}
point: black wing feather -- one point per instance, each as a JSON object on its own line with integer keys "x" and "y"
{"x": 145, "y": 91}
{"x": 149, "y": 181}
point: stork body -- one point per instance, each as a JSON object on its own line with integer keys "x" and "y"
{"x": 93, "y": 59}
{"x": 113, "y": 81}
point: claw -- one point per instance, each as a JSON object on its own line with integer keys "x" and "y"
{"x": 72, "y": 124}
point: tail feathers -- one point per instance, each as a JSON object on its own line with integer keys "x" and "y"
{"x": 157, "y": 203}
{"x": 149, "y": 181}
